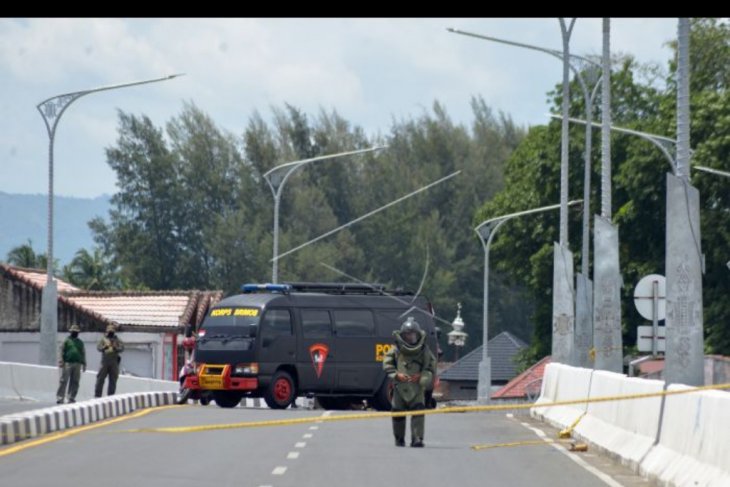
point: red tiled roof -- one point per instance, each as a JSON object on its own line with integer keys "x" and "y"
{"x": 35, "y": 278}
{"x": 517, "y": 387}
{"x": 651, "y": 367}
{"x": 164, "y": 309}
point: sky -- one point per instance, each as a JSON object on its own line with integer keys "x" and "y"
{"x": 372, "y": 71}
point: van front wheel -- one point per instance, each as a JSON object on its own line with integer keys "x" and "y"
{"x": 227, "y": 399}
{"x": 281, "y": 391}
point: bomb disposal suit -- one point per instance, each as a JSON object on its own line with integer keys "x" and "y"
{"x": 411, "y": 366}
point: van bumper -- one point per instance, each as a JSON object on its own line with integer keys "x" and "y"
{"x": 226, "y": 384}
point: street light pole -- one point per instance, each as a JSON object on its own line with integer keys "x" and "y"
{"x": 576, "y": 64}
{"x": 277, "y": 176}
{"x": 583, "y": 329}
{"x": 606, "y": 341}
{"x": 486, "y": 232}
{"x": 684, "y": 259}
{"x": 685, "y": 352}
{"x": 51, "y": 111}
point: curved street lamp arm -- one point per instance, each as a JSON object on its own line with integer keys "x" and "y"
{"x": 487, "y": 223}
{"x": 276, "y": 180}
{"x": 712, "y": 171}
{"x": 659, "y": 141}
{"x": 52, "y": 108}
{"x": 552, "y": 52}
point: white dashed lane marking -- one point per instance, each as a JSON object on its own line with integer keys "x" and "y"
{"x": 279, "y": 471}
{"x": 293, "y": 455}
{"x": 308, "y": 435}
{"x": 300, "y": 444}
{"x": 314, "y": 428}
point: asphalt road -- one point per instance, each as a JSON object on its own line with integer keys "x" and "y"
{"x": 341, "y": 454}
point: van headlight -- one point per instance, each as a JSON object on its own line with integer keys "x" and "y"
{"x": 246, "y": 369}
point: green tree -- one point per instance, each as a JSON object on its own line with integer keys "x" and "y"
{"x": 23, "y": 256}
{"x": 144, "y": 228}
{"x": 92, "y": 271}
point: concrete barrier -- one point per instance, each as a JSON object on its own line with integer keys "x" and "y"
{"x": 23, "y": 426}
{"x": 675, "y": 441}
{"x": 626, "y": 430}
{"x": 694, "y": 443}
{"x": 39, "y": 382}
{"x": 563, "y": 383}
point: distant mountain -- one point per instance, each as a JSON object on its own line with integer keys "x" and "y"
{"x": 25, "y": 216}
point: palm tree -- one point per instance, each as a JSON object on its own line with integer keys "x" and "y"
{"x": 91, "y": 271}
{"x": 24, "y": 256}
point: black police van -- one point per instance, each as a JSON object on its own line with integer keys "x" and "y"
{"x": 327, "y": 340}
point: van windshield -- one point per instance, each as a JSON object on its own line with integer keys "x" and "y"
{"x": 232, "y": 320}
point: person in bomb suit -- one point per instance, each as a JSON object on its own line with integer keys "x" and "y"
{"x": 411, "y": 366}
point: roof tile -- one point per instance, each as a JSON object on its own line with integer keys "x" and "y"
{"x": 502, "y": 349}
{"x": 517, "y": 387}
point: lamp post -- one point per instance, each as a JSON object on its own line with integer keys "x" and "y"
{"x": 579, "y": 65}
{"x": 607, "y": 340}
{"x": 457, "y": 337}
{"x": 51, "y": 110}
{"x": 684, "y": 260}
{"x": 277, "y": 176}
{"x": 583, "y": 302}
{"x": 486, "y": 232}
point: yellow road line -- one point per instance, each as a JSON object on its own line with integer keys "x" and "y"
{"x": 463, "y": 409}
{"x": 75, "y": 431}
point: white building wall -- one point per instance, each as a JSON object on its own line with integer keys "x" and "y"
{"x": 142, "y": 357}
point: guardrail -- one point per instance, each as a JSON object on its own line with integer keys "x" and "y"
{"x": 676, "y": 440}
{"x": 40, "y": 382}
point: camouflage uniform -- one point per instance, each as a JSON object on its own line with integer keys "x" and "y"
{"x": 110, "y": 347}
{"x": 73, "y": 359}
{"x": 409, "y": 360}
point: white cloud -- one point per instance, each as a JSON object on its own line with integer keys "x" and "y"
{"x": 370, "y": 70}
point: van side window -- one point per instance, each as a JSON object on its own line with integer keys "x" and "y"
{"x": 276, "y": 322}
{"x": 354, "y": 323}
{"x": 316, "y": 323}
{"x": 389, "y": 321}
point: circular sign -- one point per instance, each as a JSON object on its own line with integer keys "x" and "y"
{"x": 644, "y": 296}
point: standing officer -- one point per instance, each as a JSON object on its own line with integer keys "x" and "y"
{"x": 411, "y": 365}
{"x": 73, "y": 359}
{"x": 110, "y": 347}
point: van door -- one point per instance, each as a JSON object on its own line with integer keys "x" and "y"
{"x": 355, "y": 340}
{"x": 277, "y": 340}
{"x": 316, "y": 351}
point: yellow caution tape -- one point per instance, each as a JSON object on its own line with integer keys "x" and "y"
{"x": 568, "y": 432}
{"x": 458, "y": 409}
{"x": 514, "y": 443}
{"x": 572, "y": 445}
